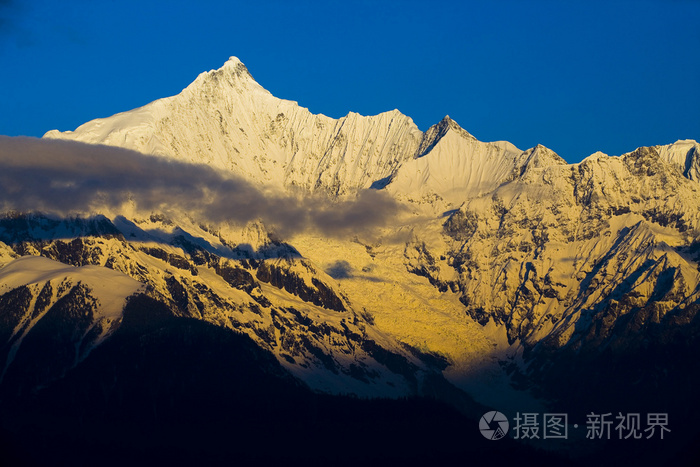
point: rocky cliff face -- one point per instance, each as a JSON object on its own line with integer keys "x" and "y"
{"x": 559, "y": 244}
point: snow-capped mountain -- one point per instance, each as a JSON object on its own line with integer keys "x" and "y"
{"x": 505, "y": 270}
{"x": 227, "y": 120}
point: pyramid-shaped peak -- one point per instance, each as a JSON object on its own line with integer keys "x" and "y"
{"x": 233, "y": 74}
{"x": 235, "y": 66}
{"x": 448, "y": 121}
{"x": 542, "y": 156}
{"x": 447, "y": 124}
{"x": 438, "y": 131}
{"x": 233, "y": 61}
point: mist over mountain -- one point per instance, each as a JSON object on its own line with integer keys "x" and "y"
{"x": 354, "y": 256}
{"x": 71, "y": 178}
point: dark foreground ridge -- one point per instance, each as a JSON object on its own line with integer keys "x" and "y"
{"x": 179, "y": 391}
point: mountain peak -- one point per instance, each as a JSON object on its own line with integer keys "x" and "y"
{"x": 447, "y": 123}
{"x": 236, "y": 66}
{"x": 684, "y": 155}
{"x": 233, "y": 61}
{"x": 233, "y": 72}
{"x": 438, "y": 131}
{"x": 539, "y": 157}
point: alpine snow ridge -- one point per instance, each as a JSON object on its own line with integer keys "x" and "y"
{"x": 227, "y": 120}
{"x": 511, "y": 277}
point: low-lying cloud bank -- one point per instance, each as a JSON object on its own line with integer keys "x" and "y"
{"x": 69, "y": 178}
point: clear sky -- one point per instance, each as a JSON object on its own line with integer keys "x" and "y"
{"x": 576, "y": 76}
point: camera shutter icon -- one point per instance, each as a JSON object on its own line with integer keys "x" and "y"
{"x": 493, "y": 425}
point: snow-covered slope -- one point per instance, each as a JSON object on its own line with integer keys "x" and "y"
{"x": 684, "y": 155}
{"x": 452, "y": 166}
{"x": 109, "y": 287}
{"x": 54, "y": 314}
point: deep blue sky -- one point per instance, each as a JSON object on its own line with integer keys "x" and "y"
{"x": 576, "y": 76}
